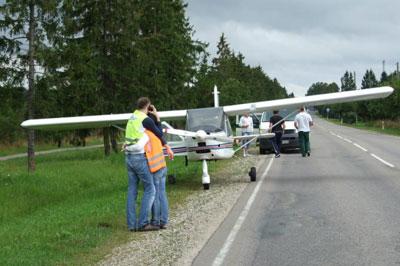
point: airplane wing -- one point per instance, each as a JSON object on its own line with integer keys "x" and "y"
{"x": 99, "y": 121}
{"x": 93, "y": 121}
{"x": 321, "y": 99}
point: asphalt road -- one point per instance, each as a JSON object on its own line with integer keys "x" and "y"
{"x": 341, "y": 206}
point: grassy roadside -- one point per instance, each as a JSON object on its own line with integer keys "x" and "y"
{"x": 21, "y": 147}
{"x": 72, "y": 209}
{"x": 394, "y": 131}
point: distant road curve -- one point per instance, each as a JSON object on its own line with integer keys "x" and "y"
{"x": 22, "y": 155}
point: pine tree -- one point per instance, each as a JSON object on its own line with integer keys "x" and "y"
{"x": 97, "y": 49}
{"x": 168, "y": 56}
{"x": 369, "y": 80}
{"x": 348, "y": 82}
{"x": 223, "y": 51}
{"x": 384, "y": 77}
{"x": 26, "y": 26}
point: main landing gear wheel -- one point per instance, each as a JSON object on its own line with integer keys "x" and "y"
{"x": 206, "y": 186}
{"x": 253, "y": 174}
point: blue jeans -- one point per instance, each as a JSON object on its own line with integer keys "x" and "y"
{"x": 138, "y": 170}
{"x": 160, "y": 206}
{"x": 247, "y": 146}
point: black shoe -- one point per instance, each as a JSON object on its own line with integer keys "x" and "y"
{"x": 277, "y": 155}
{"x": 149, "y": 227}
{"x": 132, "y": 230}
{"x": 163, "y": 227}
{"x": 308, "y": 154}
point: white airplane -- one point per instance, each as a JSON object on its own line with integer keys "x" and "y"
{"x": 208, "y": 134}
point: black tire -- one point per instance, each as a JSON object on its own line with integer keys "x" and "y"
{"x": 206, "y": 186}
{"x": 171, "y": 179}
{"x": 253, "y": 174}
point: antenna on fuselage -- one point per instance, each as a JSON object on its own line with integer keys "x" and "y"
{"x": 216, "y": 96}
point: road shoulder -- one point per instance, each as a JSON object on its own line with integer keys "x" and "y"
{"x": 192, "y": 223}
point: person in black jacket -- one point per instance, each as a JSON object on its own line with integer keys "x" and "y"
{"x": 277, "y": 126}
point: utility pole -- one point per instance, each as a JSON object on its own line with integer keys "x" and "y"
{"x": 383, "y": 66}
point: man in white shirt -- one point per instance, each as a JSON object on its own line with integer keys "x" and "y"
{"x": 246, "y": 123}
{"x": 303, "y": 122}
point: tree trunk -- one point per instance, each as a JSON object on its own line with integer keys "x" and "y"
{"x": 31, "y": 86}
{"x": 114, "y": 143}
{"x": 106, "y": 141}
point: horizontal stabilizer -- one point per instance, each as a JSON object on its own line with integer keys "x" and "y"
{"x": 259, "y": 136}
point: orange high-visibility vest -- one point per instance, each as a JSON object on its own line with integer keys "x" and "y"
{"x": 154, "y": 153}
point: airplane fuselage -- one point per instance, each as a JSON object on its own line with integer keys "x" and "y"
{"x": 198, "y": 150}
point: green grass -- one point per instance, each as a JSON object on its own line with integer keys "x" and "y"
{"x": 21, "y": 147}
{"x": 72, "y": 209}
{"x": 371, "y": 126}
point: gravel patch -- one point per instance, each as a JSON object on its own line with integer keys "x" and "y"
{"x": 191, "y": 224}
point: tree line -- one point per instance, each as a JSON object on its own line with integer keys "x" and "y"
{"x": 387, "y": 108}
{"x": 77, "y": 57}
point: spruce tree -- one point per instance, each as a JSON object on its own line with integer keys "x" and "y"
{"x": 369, "y": 80}
{"x": 26, "y": 27}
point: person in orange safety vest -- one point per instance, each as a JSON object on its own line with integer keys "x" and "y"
{"x": 158, "y": 167}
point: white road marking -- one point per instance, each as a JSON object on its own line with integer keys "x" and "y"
{"x": 382, "y": 161}
{"x": 347, "y": 140}
{"x": 333, "y": 134}
{"x": 364, "y": 149}
{"x": 219, "y": 259}
{"x": 360, "y": 147}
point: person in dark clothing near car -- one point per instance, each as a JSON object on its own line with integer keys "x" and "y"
{"x": 277, "y": 126}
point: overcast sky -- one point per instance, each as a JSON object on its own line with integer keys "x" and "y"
{"x": 304, "y": 41}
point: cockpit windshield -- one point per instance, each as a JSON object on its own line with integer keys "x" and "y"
{"x": 208, "y": 119}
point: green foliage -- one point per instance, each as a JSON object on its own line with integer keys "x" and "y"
{"x": 99, "y": 57}
{"x": 369, "y": 80}
{"x": 321, "y": 88}
{"x": 11, "y": 110}
{"x": 237, "y": 81}
{"x": 348, "y": 82}
{"x": 372, "y": 110}
{"x": 73, "y": 203}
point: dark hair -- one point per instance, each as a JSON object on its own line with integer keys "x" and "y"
{"x": 276, "y": 112}
{"x": 142, "y": 102}
{"x": 153, "y": 117}
{"x": 302, "y": 108}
